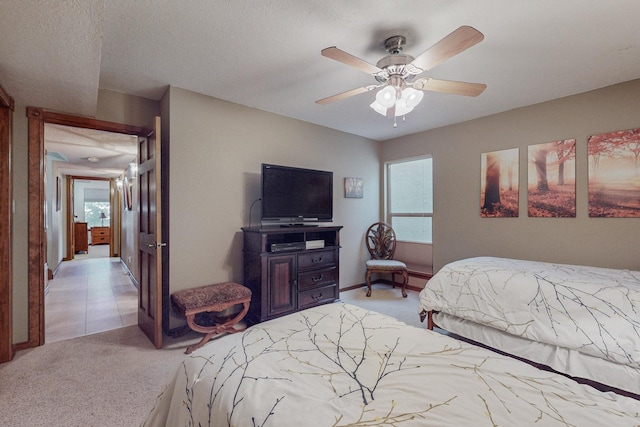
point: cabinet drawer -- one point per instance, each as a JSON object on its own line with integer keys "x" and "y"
{"x": 317, "y": 296}
{"x": 317, "y": 278}
{"x": 313, "y": 260}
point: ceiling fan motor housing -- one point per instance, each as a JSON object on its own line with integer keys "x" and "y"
{"x": 396, "y": 65}
{"x": 395, "y": 44}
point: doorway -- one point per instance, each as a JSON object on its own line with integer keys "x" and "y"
{"x": 91, "y": 290}
{"x": 93, "y": 217}
{"x": 37, "y": 195}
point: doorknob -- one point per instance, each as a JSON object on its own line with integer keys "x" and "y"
{"x": 156, "y": 245}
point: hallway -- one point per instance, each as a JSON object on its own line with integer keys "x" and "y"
{"x": 89, "y": 294}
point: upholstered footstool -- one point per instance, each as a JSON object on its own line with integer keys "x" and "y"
{"x": 199, "y": 306}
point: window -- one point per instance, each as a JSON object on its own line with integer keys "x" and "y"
{"x": 92, "y": 211}
{"x": 410, "y": 199}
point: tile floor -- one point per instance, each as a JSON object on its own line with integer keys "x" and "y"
{"x": 89, "y": 294}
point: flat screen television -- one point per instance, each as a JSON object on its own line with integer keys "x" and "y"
{"x": 292, "y": 196}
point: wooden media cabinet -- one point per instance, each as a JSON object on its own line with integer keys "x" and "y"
{"x": 290, "y": 268}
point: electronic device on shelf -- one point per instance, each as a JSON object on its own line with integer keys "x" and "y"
{"x": 284, "y": 247}
{"x": 314, "y": 244}
{"x": 296, "y": 196}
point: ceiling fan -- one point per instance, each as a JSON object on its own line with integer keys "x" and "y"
{"x": 397, "y": 73}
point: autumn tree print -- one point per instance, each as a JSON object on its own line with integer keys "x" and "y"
{"x": 552, "y": 179}
{"x": 614, "y": 174}
{"x": 499, "y": 184}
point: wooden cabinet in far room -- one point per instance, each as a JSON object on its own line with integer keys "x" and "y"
{"x": 99, "y": 235}
{"x": 80, "y": 237}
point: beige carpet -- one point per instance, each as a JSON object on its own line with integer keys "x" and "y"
{"x": 387, "y": 300}
{"x": 112, "y": 378}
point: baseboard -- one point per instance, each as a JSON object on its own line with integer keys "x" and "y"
{"x": 420, "y": 274}
{"x": 23, "y": 345}
{"x": 352, "y": 287}
{"x": 130, "y": 274}
{"x": 419, "y": 271}
{"x": 385, "y": 281}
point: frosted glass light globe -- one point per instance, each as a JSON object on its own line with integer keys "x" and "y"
{"x": 386, "y": 96}
{"x": 412, "y": 97}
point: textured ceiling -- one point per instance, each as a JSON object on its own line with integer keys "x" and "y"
{"x": 266, "y": 54}
{"x": 86, "y": 152}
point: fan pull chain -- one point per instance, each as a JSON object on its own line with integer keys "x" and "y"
{"x": 395, "y": 123}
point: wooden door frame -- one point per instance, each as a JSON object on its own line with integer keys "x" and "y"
{"x": 37, "y": 241}
{"x": 7, "y": 349}
{"x": 112, "y": 221}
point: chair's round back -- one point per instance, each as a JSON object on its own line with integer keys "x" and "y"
{"x": 381, "y": 241}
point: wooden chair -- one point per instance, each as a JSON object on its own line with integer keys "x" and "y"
{"x": 381, "y": 244}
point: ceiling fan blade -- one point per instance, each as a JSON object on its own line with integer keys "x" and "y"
{"x": 448, "y": 86}
{"x": 350, "y": 60}
{"x": 458, "y": 41}
{"x": 346, "y": 94}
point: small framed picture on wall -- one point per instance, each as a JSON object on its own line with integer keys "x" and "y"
{"x": 353, "y": 188}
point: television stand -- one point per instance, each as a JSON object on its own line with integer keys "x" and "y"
{"x": 290, "y": 268}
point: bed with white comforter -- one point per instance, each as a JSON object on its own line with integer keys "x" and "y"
{"x": 588, "y": 317}
{"x": 340, "y": 365}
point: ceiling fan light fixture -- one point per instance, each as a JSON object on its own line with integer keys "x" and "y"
{"x": 386, "y": 96}
{"x": 412, "y": 97}
{"x": 378, "y": 108}
{"x": 402, "y": 107}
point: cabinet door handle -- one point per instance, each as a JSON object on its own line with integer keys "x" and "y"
{"x": 317, "y": 279}
{"x": 317, "y": 297}
{"x": 316, "y": 260}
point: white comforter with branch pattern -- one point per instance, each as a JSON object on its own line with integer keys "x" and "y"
{"x": 340, "y": 365}
{"x": 592, "y": 310}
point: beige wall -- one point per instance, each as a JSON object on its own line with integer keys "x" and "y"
{"x": 126, "y": 109}
{"x": 130, "y": 227}
{"x": 56, "y": 225}
{"x": 458, "y": 230}
{"x": 216, "y": 153}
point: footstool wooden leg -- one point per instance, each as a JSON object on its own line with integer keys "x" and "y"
{"x": 211, "y": 331}
{"x": 212, "y": 299}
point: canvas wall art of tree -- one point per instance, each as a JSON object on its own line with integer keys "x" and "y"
{"x": 499, "y": 184}
{"x": 552, "y": 179}
{"x": 614, "y": 176}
